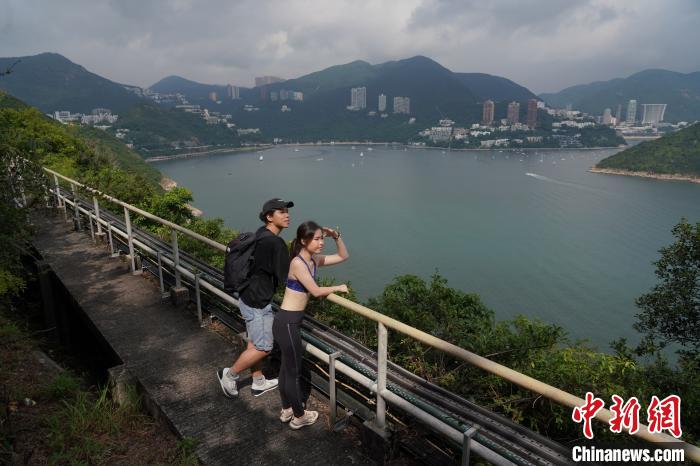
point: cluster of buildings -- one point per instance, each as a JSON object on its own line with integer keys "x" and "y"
{"x": 652, "y": 115}
{"x": 98, "y": 115}
{"x": 513, "y": 113}
{"x": 358, "y": 102}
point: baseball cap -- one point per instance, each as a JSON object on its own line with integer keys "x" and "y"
{"x": 274, "y": 204}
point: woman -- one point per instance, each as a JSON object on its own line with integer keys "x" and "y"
{"x": 301, "y": 282}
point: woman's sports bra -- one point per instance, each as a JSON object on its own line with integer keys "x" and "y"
{"x": 296, "y": 285}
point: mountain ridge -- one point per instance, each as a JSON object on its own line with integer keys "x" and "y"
{"x": 680, "y": 91}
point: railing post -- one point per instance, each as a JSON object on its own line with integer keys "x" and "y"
{"x": 467, "y": 444}
{"x": 92, "y": 229}
{"x": 97, "y": 215}
{"x": 58, "y": 192}
{"x": 76, "y": 209}
{"x": 160, "y": 273}
{"x": 382, "y": 339}
{"x": 332, "y": 389}
{"x": 130, "y": 237}
{"x": 198, "y": 297}
{"x": 176, "y": 259}
{"x": 111, "y": 242}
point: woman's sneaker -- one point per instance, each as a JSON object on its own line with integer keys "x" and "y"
{"x": 307, "y": 419}
{"x": 286, "y": 415}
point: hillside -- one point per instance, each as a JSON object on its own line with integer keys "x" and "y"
{"x": 51, "y": 82}
{"x": 154, "y": 129}
{"x": 674, "y": 154}
{"x": 486, "y": 86}
{"x": 103, "y": 145}
{"x": 681, "y": 93}
{"x": 435, "y": 93}
{"x": 192, "y": 89}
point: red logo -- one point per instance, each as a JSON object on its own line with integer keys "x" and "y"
{"x": 587, "y": 412}
{"x": 665, "y": 415}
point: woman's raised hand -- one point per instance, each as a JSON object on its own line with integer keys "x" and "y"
{"x": 330, "y": 232}
{"x": 341, "y": 288}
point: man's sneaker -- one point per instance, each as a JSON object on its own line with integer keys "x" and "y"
{"x": 307, "y": 419}
{"x": 227, "y": 385}
{"x": 286, "y": 415}
{"x": 265, "y": 386}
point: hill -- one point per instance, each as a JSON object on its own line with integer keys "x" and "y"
{"x": 192, "y": 89}
{"x": 496, "y": 88}
{"x": 674, "y": 154}
{"x": 101, "y": 144}
{"x": 154, "y": 129}
{"x": 681, "y": 93}
{"x": 435, "y": 93}
{"x": 51, "y": 82}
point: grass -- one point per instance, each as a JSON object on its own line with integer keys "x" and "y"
{"x": 53, "y": 417}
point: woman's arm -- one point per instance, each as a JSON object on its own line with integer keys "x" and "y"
{"x": 340, "y": 256}
{"x": 302, "y": 274}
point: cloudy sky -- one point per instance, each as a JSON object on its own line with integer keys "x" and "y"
{"x": 545, "y": 45}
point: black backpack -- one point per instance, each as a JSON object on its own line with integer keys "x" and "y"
{"x": 240, "y": 254}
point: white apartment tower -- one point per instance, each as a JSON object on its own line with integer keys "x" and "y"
{"x": 631, "y": 112}
{"x": 653, "y": 114}
{"x": 358, "y": 98}
{"x": 402, "y": 105}
{"x": 382, "y": 103}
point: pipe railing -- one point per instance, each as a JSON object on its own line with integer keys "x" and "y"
{"x": 383, "y": 324}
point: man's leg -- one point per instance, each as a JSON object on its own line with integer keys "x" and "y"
{"x": 251, "y": 358}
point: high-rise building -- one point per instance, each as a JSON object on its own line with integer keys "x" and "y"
{"x": 263, "y": 80}
{"x": 402, "y": 105}
{"x": 653, "y": 114}
{"x": 531, "y": 118}
{"x": 487, "y": 114}
{"x": 284, "y": 94}
{"x": 358, "y": 98}
{"x": 631, "y": 112}
{"x": 382, "y": 103}
{"x": 618, "y": 114}
{"x": 607, "y": 117}
{"x": 213, "y": 96}
{"x": 233, "y": 92}
{"x": 513, "y": 112}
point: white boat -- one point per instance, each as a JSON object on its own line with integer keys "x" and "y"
{"x": 296, "y": 150}
{"x": 261, "y": 157}
{"x": 362, "y": 154}
{"x": 369, "y": 148}
{"x": 353, "y": 148}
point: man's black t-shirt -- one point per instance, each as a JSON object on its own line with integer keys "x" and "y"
{"x": 270, "y": 268}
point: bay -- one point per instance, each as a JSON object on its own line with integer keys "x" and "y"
{"x": 531, "y": 232}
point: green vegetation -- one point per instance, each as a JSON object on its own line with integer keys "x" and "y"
{"x": 155, "y": 130}
{"x": 671, "y": 311}
{"x": 675, "y": 153}
{"x": 540, "y": 350}
{"x": 52, "y": 417}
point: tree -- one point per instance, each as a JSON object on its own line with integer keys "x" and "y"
{"x": 671, "y": 310}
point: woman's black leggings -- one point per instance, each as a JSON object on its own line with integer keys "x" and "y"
{"x": 286, "y": 331}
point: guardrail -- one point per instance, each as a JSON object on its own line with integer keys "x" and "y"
{"x": 384, "y": 323}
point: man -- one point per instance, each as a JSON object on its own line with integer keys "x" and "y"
{"x": 270, "y": 268}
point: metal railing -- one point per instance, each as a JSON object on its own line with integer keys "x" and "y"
{"x": 384, "y": 323}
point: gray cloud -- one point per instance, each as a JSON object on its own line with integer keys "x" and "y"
{"x": 543, "y": 44}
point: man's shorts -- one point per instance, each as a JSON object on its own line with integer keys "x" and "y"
{"x": 258, "y": 323}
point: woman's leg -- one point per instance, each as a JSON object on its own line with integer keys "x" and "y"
{"x": 294, "y": 395}
{"x": 280, "y": 335}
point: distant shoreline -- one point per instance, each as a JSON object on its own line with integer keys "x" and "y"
{"x": 656, "y": 176}
{"x": 160, "y": 158}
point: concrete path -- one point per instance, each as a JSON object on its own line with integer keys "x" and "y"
{"x": 176, "y": 361}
